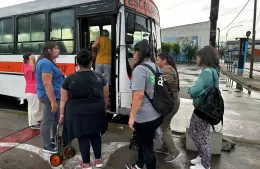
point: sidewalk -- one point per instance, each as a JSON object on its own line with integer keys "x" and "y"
{"x": 253, "y": 84}
{"x": 115, "y": 151}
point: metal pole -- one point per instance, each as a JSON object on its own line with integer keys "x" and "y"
{"x": 214, "y": 9}
{"x": 218, "y": 38}
{"x": 253, "y": 42}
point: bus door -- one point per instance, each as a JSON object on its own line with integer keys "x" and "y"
{"x": 90, "y": 29}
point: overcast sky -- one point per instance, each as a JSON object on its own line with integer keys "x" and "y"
{"x": 181, "y": 12}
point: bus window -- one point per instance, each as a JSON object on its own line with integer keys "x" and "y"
{"x": 62, "y": 26}
{"x": 108, "y": 28}
{"x": 6, "y": 36}
{"x": 31, "y": 33}
{"x": 94, "y": 33}
{"x": 142, "y": 28}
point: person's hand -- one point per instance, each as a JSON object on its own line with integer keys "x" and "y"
{"x": 54, "y": 107}
{"x": 32, "y": 58}
{"x": 131, "y": 123}
{"x": 61, "y": 119}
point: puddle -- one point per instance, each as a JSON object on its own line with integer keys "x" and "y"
{"x": 240, "y": 89}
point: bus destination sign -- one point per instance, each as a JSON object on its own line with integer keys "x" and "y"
{"x": 146, "y": 7}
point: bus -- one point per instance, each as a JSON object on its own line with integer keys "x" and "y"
{"x": 73, "y": 24}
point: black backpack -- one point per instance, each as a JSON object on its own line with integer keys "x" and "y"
{"x": 163, "y": 100}
{"x": 212, "y": 108}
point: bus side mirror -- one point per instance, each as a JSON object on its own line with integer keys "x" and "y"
{"x": 129, "y": 39}
{"x": 130, "y": 23}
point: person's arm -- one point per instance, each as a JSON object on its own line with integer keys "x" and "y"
{"x": 47, "y": 75}
{"x": 46, "y": 79}
{"x": 203, "y": 82}
{"x": 138, "y": 86}
{"x": 106, "y": 94}
{"x": 32, "y": 62}
{"x": 96, "y": 43}
{"x": 63, "y": 101}
{"x": 136, "y": 102}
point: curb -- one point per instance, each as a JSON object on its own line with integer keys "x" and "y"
{"x": 239, "y": 81}
{"x": 235, "y": 139}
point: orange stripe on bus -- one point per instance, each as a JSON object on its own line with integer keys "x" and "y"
{"x": 17, "y": 67}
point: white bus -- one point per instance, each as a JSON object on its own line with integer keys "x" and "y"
{"x": 73, "y": 24}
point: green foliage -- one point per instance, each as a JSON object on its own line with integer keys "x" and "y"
{"x": 190, "y": 50}
{"x": 166, "y": 47}
{"x": 171, "y": 47}
{"x": 175, "y": 48}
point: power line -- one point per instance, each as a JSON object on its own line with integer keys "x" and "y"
{"x": 237, "y": 15}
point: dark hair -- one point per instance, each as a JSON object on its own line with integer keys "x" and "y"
{"x": 26, "y": 57}
{"x": 84, "y": 57}
{"x": 45, "y": 51}
{"x": 105, "y": 33}
{"x": 144, "y": 50}
{"x": 170, "y": 61}
{"x": 208, "y": 57}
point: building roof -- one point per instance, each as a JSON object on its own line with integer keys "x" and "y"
{"x": 257, "y": 42}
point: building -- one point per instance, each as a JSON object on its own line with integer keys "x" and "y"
{"x": 197, "y": 33}
{"x": 234, "y": 46}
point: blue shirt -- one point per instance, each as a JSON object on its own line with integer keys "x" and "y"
{"x": 46, "y": 66}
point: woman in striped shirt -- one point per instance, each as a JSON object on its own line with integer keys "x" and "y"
{"x": 170, "y": 74}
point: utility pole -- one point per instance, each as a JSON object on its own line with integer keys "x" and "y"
{"x": 218, "y": 38}
{"x": 213, "y": 21}
{"x": 253, "y": 42}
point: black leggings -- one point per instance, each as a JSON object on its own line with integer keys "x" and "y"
{"x": 84, "y": 146}
{"x": 145, "y": 134}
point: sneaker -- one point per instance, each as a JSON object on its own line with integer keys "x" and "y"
{"x": 163, "y": 150}
{"x": 36, "y": 127}
{"x": 99, "y": 163}
{"x": 86, "y": 166}
{"x": 198, "y": 166}
{"x": 51, "y": 149}
{"x": 53, "y": 141}
{"x": 172, "y": 157}
{"x": 196, "y": 160}
{"x": 134, "y": 166}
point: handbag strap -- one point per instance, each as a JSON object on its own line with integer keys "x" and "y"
{"x": 213, "y": 77}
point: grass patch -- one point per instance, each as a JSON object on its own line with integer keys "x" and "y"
{"x": 16, "y": 112}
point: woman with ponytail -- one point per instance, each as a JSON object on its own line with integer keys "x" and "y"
{"x": 170, "y": 73}
{"x": 48, "y": 83}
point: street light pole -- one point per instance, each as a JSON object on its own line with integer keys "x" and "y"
{"x": 253, "y": 42}
{"x": 218, "y": 38}
{"x": 230, "y": 29}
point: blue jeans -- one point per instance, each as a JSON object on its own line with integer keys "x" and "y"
{"x": 49, "y": 122}
{"x": 145, "y": 135}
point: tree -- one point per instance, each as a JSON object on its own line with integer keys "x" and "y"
{"x": 166, "y": 47}
{"x": 175, "y": 48}
{"x": 190, "y": 50}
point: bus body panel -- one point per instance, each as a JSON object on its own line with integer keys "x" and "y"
{"x": 13, "y": 83}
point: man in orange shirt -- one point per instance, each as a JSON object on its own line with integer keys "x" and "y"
{"x": 103, "y": 59}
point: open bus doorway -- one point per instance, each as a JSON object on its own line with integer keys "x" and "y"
{"x": 90, "y": 29}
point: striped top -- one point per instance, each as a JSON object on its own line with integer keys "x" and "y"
{"x": 171, "y": 76}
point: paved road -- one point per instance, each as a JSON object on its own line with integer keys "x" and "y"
{"x": 241, "y": 119}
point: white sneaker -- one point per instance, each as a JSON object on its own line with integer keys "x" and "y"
{"x": 198, "y": 166}
{"x": 196, "y": 161}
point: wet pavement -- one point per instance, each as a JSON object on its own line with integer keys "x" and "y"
{"x": 242, "y": 113}
{"x": 241, "y": 119}
{"x": 116, "y": 153}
